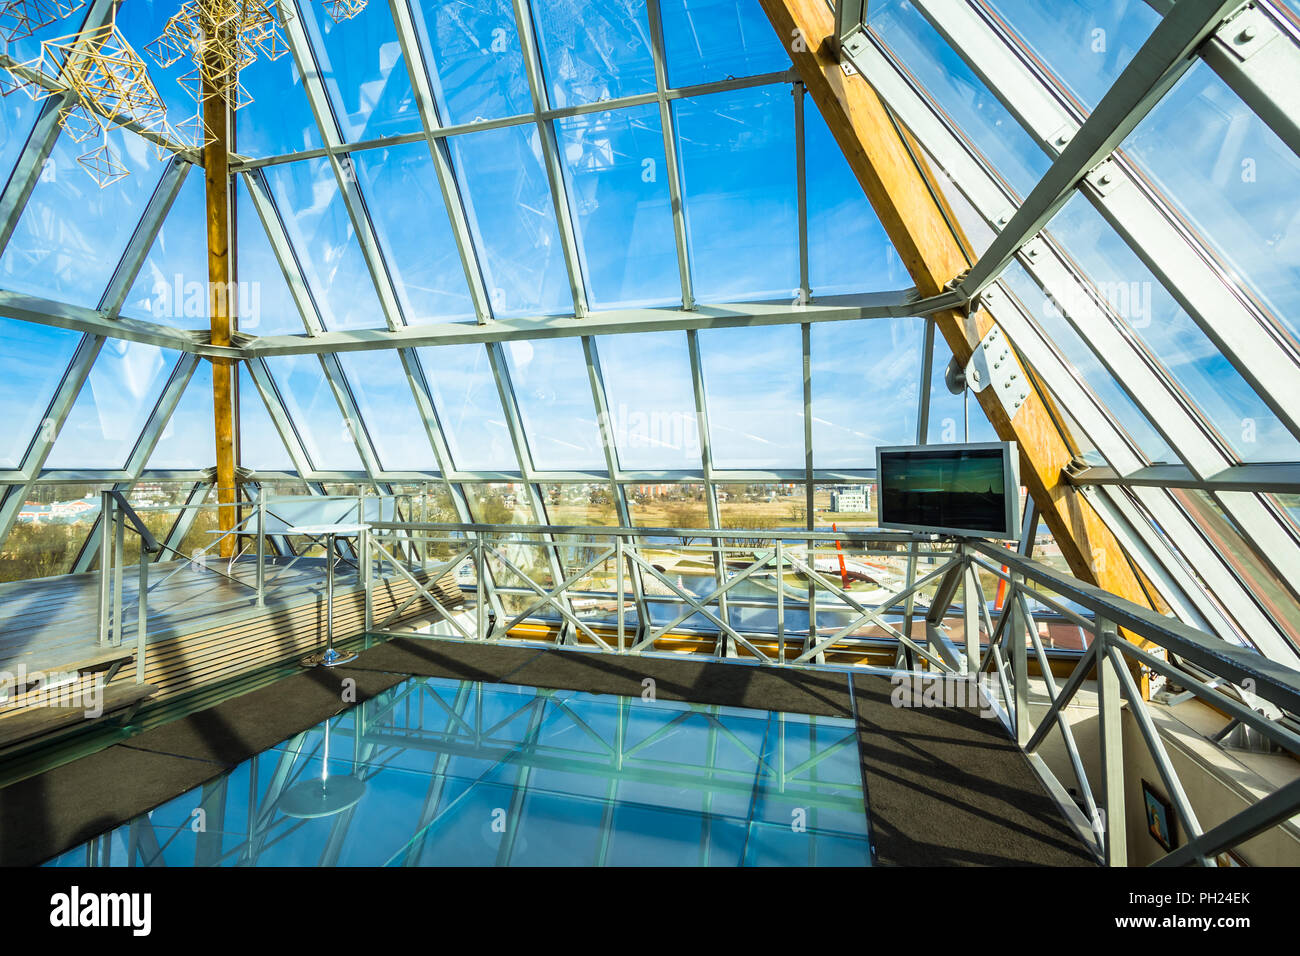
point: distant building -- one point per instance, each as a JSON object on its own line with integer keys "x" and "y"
{"x": 855, "y": 500}
{"x": 73, "y": 509}
{"x": 34, "y": 512}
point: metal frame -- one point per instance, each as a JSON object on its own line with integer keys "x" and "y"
{"x": 1164, "y": 539}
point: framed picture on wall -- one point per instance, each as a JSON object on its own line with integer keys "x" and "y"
{"x": 1160, "y": 817}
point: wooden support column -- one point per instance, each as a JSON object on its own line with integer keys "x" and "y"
{"x": 895, "y": 182}
{"x": 221, "y": 291}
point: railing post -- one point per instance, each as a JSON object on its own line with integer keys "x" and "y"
{"x": 364, "y": 562}
{"x": 105, "y": 563}
{"x": 1114, "y": 836}
{"x": 119, "y": 534}
{"x": 970, "y": 613}
{"x": 812, "y": 595}
{"x": 142, "y": 614}
{"x": 480, "y": 612}
{"x": 1017, "y": 629}
{"x": 618, "y": 570}
{"x": 261, "y": 546}
{"x": 780, "y": 602}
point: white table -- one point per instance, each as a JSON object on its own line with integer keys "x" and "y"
{"x": 331, "y": 532}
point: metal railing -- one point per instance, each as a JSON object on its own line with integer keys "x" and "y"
{"x": 779, "y": 598}
{"x": 265, "y": 519}
{"x": 118, "y": 515}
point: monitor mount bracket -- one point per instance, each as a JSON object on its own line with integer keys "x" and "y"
{"x": 993, "y": 365}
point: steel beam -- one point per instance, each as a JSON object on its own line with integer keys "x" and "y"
{"x": 551, "y": 157}
{"x": 452, "y": 200}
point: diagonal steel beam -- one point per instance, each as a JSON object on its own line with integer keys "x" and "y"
{"x": 417, "y": 65}
{"x": 551, "y": 157}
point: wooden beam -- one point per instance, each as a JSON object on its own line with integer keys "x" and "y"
{"x": 899, "y": 188}
{"x": 221, "y": 291}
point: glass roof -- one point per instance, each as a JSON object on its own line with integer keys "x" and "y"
{"x": 431, "y": 199}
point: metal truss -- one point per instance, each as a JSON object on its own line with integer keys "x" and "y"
{"x": 1210, "y": 671}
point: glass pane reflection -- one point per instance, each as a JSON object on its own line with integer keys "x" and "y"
{"x": 588, "y": 780}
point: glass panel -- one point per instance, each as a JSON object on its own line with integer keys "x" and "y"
{"x": 1047, "y": 312}
{"x": 266, "y": 306}
{"x": 476, "y": 65}
{"x": 845, "y": 506}
{"x": 27, "y": 48}
{"x": 318, "y": 225}
{"x": 680, "y": 793}
{"x": 753, "y": 382}
{"x": 17, "y": 117}
{"x": 502, "y": 503}
{"x": 1289, "y": 505}
{"x": 508, "y": 201}
{"x": 553, "y": 391}
{"x": 406, "y": 206}
{"x": 392, "y": 419}
{"x": 188, "y": 439}
{"x": 172, "y": 286}
{"x": 738, "y": 190}
{"x": 1086, "y": 43}
{"x": 72, "y": 233}
{"x": 594, "y": 50}
{"x": 1224, "y": 169}
{"x": 713, "y": 40}
{"x": 48, "y": 533}
{"x": 113, "y": 406}
{"x": 975, "y": 111}
{"x": 469, "y": 407}
{"x": 260, "y": 445}
{"x": 1275, "y": 594}
{"x": 326, "y": 435}
{"x": 848, "y": 250}
{"x": 668, "y": 505}
{"x": 651, "y": 400}
{"x": 279, "y": 119}
{"x": 760, "y": 505}
{"x": 618, "y": 188}
{"x": 361, "y": 62}
{"x": 141, "y": 22}
{"x": 1229, "y": 403}
{"x": 865, "y": 381}
{"x": 570, "y": 503}
{"x": 33, "y": 360}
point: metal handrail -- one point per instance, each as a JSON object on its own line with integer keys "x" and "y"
{"x": 998, "y": 642}
{"x": 148, "y": 541}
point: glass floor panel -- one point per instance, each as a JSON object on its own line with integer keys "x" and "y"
{"x": 438, "y": 772}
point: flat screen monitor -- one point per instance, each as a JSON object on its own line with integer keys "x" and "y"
{"x": 971, "y": 490}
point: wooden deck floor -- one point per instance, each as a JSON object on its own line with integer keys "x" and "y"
{"x": 49, "y": 623}
{"x": 202, "y": 627}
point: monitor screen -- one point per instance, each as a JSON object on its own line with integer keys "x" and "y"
{"x": 951, "y": 489}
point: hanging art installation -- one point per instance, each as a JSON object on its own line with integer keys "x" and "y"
{"x": 106, "y": 85}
